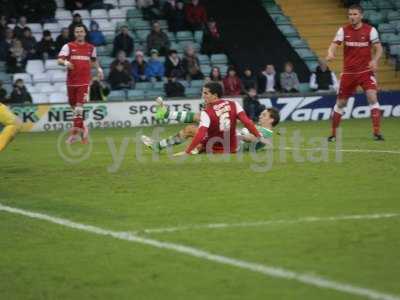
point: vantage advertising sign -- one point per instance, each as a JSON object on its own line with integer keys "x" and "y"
{"x": 49, "y": 117}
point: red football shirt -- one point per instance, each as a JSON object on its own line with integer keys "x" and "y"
{"x": 80, "y": 55}
{"x": 217, "y": 127}
{"x": 357, "y": 47}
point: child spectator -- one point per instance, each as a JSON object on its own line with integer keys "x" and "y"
{"x": 20, "y": 94}
{"x": 232, "y": 83}
{"x": 154, "y": 69}
{"x": 157, "y": 39}
{"x": 139, "y": 67}
{"x": 123, "y": 41}
{"x": 96, "y": 37}
{"x": 196, "y": 15}
{"x": 173, "y": 63}
{"x": 323, "y": 79}
{"x": 191, "y": 64}
{"x": 252, "y": 105}
{"x": 173, "y": 88}
{"x": 289, "y": 80}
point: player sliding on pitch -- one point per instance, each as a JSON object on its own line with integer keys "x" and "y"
{"x": 359, "y": 39}
{"x": 268, "y": 119}
{"x": 11, "y": 126}
{"x": 79, "y": 57}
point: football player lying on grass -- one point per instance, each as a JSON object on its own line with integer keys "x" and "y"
{"x": 268, "y": 119}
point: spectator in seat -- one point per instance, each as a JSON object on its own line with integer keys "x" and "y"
{"x": 154, "y": 69}
{"x": 29, "y": 43}
{"x": 157, "y": 39}
{"x": 173, "y": 63}
{"x": 174, "y": 13}
{"x": 196, "y": 15}
{"x": 248, "y": 79}
{"x": 123, "y": 41}
{"x": 96, "y": 37}
{"x": 17, "y": 57}
{"x": 215, "y": 75}
{"x": 323, "y": 79}
{"x": 211, "y": 43}
{"x": 20, "y": 27}
{"x": 3, "y": 93}
{"x": 232, "y": 83}
{"x": 173, "y": 88}
{"x": 120, "y": 79}
{"x": 98, "y": 90}
{"x": 252, "y": 105}
{"x": 19, "y": 93}
{"x": 3, "y": 26}
{"x": 76, "y": 20}
{"x": 150, "y": 8}
{"x": 191, "y": 64}
{"x": 62, "y": 38}
{"x": 6, "y": 44}
{"x": 121, "y": 59}
{"x": 289, "y": 80}
{"x": 268, "y": 80}
{"x": 47, "y": 47}
{"x": 139, "y": 67}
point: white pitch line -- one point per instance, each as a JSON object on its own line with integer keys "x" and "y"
{"x": 270, "y": 222}
{"x": 269, "y": 271}
{"x": 342, "y": 150}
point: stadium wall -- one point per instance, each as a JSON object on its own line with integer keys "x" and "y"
{"x": 125, "y": 114}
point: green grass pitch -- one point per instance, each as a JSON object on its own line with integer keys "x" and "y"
{"x": 41, "y": 260}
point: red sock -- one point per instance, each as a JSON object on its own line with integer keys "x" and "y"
{"x": 78, "y": 122}
{"x": 336, "y": 117}
{"x": 376, "y": 120}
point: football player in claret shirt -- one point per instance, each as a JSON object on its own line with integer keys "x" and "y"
{"x": 79, "y": 57}
{"x": 360, "y": 64}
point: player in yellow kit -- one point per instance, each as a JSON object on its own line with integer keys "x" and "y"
{"x": 11, "y": 126}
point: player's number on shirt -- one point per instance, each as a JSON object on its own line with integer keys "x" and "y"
{"x": 224, "y": 121}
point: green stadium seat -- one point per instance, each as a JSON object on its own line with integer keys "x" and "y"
{"x": 368, "y": 5}
{"x": 120, "y": 24}
{"x": 312, "y": 65}
{"x": 197, "y": 83}
{"x": 387, "y": 37}
{"x": 109, "y": 38}
{"x": 204, "y": 59}
{"x": 158, "y": 85}
{"x": 5, "y": 77}
{"x": 383, "y": 4}
{"x": 198, "y": 36}
{"x": 171, "y": 36}
{"x": 193, "y": 91}
{"x": 143, "y": 86}
{"x": 2, "y": 66}
{"x": 304, "y": 88}
{"x": 106, "y": 60}
{"x": 142, "y": 35}
{"x": 152, "y": 94}
{"x": 393, "y": 16}
{"x": 222, "y": 68}
{"x": 306, "y": 54}
{"x": 205, "y": 69}
{"x": 102, "y": 51}
{"x": 134, "y": 14}
{"x": 138, "y": 24}
{"x": 298, "y": 43}
{"x": 184, "y": 36}
{"x": 135, "y": 95}
{"x": 218, "y": 59}
{"x": 394, "y": 50}
{"x": 282, "y": 20}
{"x": 185, "y": 44}
{"x": 117, "y": 95}
{"x": 386, "y": 28}
{"x": 376, "y": 18}
{"x": 288, "y": 30}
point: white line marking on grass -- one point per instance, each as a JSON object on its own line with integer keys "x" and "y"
{"x": 271, "y": 222}
{"x": 343, "y": 150}
{"x": 270, "y": 271}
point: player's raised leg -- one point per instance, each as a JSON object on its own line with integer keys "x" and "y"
{"x": 162, "y": 113}
{"x": 173, "y": 140}
{"x": 11, "y": 126}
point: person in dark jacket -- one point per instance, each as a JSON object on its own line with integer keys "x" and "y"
{"x": 3, "y": 92}
{"x": 174, "y": 13}
{"x": 252, "y": 105}
{"x": 248, "y": 79}
{"x": 157, "y": 39}
{"x": 196, "y": 15}
{"x": 96, "y": 37}
{"x": 211, "y": 43}
{"x": 119, "y": 78}
{"x": 123, "y": 41}
{"x": 47, "y": 47}
{"x": 173, "y": 88}
{"x": 19, "y": 93}
{"x": 62, "y": 38}
{"x": 98, "y": 90}
{"x": 191, "y": 65}
{"x": 323, "y": 79}
{"x": 173, "y": 63}
{"x": 29, "y": 43}
{"x": 76, "y": 20}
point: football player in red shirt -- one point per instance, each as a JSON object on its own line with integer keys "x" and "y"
{"x": 217, "y": 129}
{"x": 359, "y": 41}
{"x": 79, "y": 57}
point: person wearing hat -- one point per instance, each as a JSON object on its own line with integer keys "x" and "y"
{"x": 139, "y": 67}
{"x": 47, "y": 47}
{"x": 155, "y": 69}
